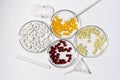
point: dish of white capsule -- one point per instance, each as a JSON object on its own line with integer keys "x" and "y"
{"x": 35, "y": 36}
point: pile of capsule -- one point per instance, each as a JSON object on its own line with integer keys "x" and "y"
{"x": 35, "y": 36}
{"x": 63, "y": 28}
{"x": 60, "y": 48}
{"x": 86, "y": 33}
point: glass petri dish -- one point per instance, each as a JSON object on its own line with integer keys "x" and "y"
{"x": 59, "y": 22}
{"x": 58, "y": 54}
{"x": 35, "y": 36}
{"x": 91, "y": 41}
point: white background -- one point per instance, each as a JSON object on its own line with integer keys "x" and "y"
{"x": 14, "y": 13}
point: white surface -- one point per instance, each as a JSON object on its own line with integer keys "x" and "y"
{"x": 14, "y": 13}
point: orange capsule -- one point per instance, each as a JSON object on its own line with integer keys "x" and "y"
{"x": 70, "y": 30}
{"x": 72, "y": 20}
{"x": 56, "y": 17}
{"x": 66, "y": 33}
{"x": 60, "y": 20}
{"x": 59, "y": 35}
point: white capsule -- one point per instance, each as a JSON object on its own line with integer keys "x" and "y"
{"x": 36, "y": 39}
{"x": 42, "y": 34}
{"x": 36, "y": 26}
{"x": 30, "y": 38}
{"x": 34, "y": 33}
{"x": 43, "y": 31}
{"x": 29, "y": 46}
{"x": 30, "y": 31}
{"x": 42, "y": 26}
{"x": 45, "y": 45}
{"x": 38, "y": 35}
{"x": 27, "y": 41}
{"x": 28, "y": 26}
{"x": 38, "y": 44}
{"x": 23, "y": 32}
{"x": 46, "y": 40}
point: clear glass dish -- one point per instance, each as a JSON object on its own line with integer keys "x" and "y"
{"x": 62, "y": 54}
{"x": 35, "y": 36}
{"x": 66, "y": 15}
{"x": 91, "y": 44}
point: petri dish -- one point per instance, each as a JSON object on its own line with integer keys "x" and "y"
{"x": 35, "y": 36}
{"x": 62, "y": 53}
{"x": 64, "y": 24}
{"x": 91, "y": 41}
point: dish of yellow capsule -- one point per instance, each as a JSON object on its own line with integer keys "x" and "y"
{"x": 91, "y": 41}
{"x": 64, "y": 24}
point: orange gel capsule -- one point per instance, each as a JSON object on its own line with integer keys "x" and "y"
{"x": 58, "y": 27}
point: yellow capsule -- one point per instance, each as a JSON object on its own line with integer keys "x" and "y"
{"x": 97, "y": 32}
{"x": 82, "y": 49}
{"x": 102, "y": 43}
{"x": 59, "y": 35}
{"x": 66, "y": 33}
{"x": 73, "y": 29}
{"x": 89, "y": 41}
{"x": 92, "y": 30}
{"x": 60, "y": 20}
{"x": 56, "y": 17}
{"x": 98, "y": 48}
{"x": 94, "y": 51}
{"x": 70, "y": 30}
{"x": 73, "y": 20}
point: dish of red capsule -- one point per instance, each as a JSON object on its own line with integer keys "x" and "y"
{"x": 61, "y": 53}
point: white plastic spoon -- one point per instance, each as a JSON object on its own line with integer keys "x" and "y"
{"x": 88, "y": 7}
{"x": 34, "y": 61}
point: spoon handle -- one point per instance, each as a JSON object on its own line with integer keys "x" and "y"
{"x": 33, "y": 61}
{"x": 88, "y": 7}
